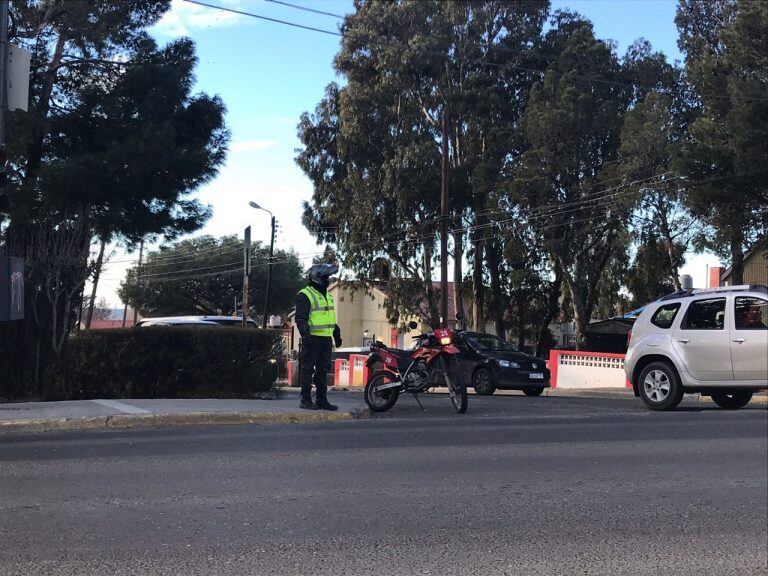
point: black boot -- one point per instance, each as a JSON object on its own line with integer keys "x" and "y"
{"x": 307, "y": 405}
{"x": 325, "y": 405}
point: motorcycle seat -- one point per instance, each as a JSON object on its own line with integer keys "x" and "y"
{"x": 400, "y": 353}
{"x": 395, "y": 351}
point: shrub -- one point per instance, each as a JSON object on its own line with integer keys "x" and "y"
{"x": 165, "y": 362}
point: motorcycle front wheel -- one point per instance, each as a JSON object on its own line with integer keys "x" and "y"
{"x": 457, "y": 388}
{"x": 380, "y": 400}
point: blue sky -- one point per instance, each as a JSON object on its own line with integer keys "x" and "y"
{"x": 268, "y": 74}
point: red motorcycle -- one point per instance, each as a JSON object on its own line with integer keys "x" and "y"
{"x": 431, "y": 361}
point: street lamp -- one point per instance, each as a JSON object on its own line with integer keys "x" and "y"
{"x": 271, "y": 254}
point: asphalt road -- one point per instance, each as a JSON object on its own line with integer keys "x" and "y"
{"x": 527, "y": 486}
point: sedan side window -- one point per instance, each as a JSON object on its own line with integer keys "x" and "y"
{"x": 751, "y": 313}
{"x": 461, "y": 344}
{"x": 705, "y": 315}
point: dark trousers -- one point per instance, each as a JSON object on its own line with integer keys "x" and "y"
{"x": 314, "y": 365}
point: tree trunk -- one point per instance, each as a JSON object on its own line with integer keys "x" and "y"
{"x": 429, "y": 289}
{"x": 737, "y": 256}
{"x": 580, "y": 314}
{"x": 96, "y": 274}
{"x": 670, "y": 245}
{"x": 478, "y": 292}
{"x": 458, "y": 276}
{"x": 35, "y": 147}
{"x": 497, "y": 298}
{"x": 521, "y": 324}
{"x": 553, "y": 306}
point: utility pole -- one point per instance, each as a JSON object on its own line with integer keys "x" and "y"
{"x": 3, "y": 89}
{"x": 246, "y": 273}
{"x": 94, "y": 288}
{"x": 269, "y": 273}
{"x": 125, "y": 308}
{"x": 444, "y": 220}
{"x": 138, "y": 274}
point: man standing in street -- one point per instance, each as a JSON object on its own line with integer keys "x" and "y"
{"x": 316, "y": 321}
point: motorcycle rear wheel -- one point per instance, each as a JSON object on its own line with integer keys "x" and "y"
{"x": 380, "y": 401}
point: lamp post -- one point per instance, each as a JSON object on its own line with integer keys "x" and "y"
{"x": 271, "y": 254}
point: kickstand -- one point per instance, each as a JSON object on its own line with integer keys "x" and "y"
{"x": 416, "y": 397}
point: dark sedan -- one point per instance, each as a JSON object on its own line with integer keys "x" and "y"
{"x": 491, "y": 364}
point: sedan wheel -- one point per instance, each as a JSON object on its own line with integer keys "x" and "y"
{"x": 482, "y": 382}
{"x": 659, "y": 386}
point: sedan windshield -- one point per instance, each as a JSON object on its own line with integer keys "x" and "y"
{"x": 490, "y": 342}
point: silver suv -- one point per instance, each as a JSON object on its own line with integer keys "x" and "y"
{"x": 714, "y": 342}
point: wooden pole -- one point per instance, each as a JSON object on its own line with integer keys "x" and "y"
{"x": 246, "y": 273}
{"x": 444, "y": 220}
{"x": 96, "y": 275}
{"x": 138, "y": 274}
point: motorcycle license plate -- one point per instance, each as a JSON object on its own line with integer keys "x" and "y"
{"x": 536, "y": 376}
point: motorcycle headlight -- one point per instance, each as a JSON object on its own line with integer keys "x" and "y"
{"x": 445, "y": 340}
{"x": 508, "y": 364}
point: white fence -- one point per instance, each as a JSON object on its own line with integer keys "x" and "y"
{"x": 578, "y": 370}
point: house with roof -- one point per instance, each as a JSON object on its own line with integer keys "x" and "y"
{"x": 362, "y": 318}
{"x": 755, "y": 266}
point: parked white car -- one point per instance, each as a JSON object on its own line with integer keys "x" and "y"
{"x": 195, "y": 321}
{"x": 714, "y": 342}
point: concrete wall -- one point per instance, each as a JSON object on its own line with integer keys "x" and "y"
{"x": 579, "y": 370}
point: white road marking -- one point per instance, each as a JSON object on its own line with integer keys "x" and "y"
{"x": 125, "y": 408}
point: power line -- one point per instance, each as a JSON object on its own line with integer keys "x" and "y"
{"x": 305, "y": 9}
{"x": 260, "y": 17}
{"x": 162, "y": 259}
{"x": 441, "y": 54}
{"x": 557, "y": 205}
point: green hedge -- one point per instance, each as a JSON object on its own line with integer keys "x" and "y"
{"x": 166, "y": 362}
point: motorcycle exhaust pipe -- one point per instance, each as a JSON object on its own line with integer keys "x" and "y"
{"x": 387, "y": 386}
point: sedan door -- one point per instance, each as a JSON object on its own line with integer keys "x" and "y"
{"x": 749, "y": 338}
{"x": 467, "y": 358}
{"x": 702, "y": 341}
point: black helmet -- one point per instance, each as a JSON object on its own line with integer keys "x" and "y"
{"x": 320, "y": 275}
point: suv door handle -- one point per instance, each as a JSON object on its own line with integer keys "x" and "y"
{"x": 684, "y": 341}
{"x": 739, "y": 340}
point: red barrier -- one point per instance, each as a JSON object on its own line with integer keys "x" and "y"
{"x": 358, "y": 371}
{"x": 341, "y": 372}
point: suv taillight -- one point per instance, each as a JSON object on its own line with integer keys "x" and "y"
{"x": 629, "y": 338}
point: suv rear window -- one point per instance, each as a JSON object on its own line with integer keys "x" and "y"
{"x": 705, "y": 315}
{"x": 665, "y": 316}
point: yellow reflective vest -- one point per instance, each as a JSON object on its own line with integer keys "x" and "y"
{"x": 322, "y": 314}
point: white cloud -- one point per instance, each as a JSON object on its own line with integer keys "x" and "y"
{"x": 252, "y": 145}
{"x": 184, "y": 17}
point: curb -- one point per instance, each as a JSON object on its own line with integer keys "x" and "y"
{"x": 757, "y": 399}
{"x": 125, "y": 421}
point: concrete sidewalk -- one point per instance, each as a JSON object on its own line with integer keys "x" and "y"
{"x": 92, "y": 414}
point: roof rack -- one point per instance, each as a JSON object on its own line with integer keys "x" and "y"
{"x": 716, "y": 290}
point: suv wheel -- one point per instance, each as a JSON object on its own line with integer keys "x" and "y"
{"x": 732, "y": 399}
{"x": 659, "y": 386}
